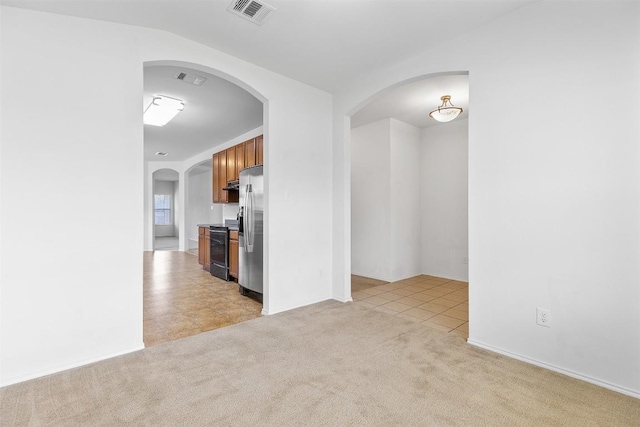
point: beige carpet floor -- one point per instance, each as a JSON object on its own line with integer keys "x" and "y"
{"x": 329, "y": 364}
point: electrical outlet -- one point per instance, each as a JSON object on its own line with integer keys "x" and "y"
{"x": 543, "y": 317}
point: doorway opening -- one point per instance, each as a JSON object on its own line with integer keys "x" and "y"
{"x": 182, "y": 298}
{"x": 409, "y": 219}
{"x": 166, "y": 215}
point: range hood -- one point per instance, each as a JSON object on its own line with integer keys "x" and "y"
{"x": 232, "y": 186}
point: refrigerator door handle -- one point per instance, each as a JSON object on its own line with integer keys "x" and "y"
{"x": 245, "y": 219}
{"x": 250, "y": 220}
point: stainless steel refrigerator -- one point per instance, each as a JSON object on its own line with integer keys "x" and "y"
{"x": 251, "y": 232}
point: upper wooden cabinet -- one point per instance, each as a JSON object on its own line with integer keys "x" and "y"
{"x": 253, "y": 152}
{"x": 215, "y": 185}
{"x": 239, "y": 159}
{"x": 227, "y": 165}
{"x": 232, "y": 170}
{"x": 250, "y": 153}
{"x": 259, "y": 151}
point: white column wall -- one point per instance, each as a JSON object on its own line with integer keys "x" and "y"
{"x": 554, "y": 194}
{"x": 444, "y": 200}
{"x": 385, "y": 200}
{"x": 404, "y": 205}
{"x": 83, "y": 302}
{"x": 371, "y": 200}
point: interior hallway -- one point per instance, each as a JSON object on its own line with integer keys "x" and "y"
{"x": 436, "y": 302}
{"x": 181, "y": 299}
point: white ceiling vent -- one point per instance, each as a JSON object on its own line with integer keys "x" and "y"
{"x": 190, "y": 78}
{"x": 253, "y": 10}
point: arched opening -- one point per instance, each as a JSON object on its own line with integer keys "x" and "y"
{"x": 182, "y": 296}
{"x": 409, "y": 219}
{"x": 166, "y": 212}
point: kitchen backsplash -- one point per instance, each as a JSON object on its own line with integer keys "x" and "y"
{"x": 229, "y": 211}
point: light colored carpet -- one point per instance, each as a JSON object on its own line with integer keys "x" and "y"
{"x": 330, "y": 364}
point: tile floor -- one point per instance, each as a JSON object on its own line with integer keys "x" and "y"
{"x": 438, "y": 303}
{"x": 181, "y": 299}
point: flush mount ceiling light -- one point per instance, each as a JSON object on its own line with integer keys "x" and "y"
{"x": 447, "y": 111}
{"x": 161, "y": 110}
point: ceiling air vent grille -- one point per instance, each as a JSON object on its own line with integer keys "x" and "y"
{"x": 190, "y": 78}
{"x": 253, "y": 10}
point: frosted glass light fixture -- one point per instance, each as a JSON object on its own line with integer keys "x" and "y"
{"x": 447, "y": 111}
{"x": 161, "y": 110}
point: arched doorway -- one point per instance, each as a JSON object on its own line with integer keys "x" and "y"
{"x": 181, "y": 297}
{"x": 166, "y": 212}
{"x": 409, "y": 221}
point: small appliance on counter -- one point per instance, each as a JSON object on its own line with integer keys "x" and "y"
{"x": 251, "y": 230}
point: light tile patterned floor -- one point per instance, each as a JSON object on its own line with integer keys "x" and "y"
{"x": 438, "y": 303}
{"x": 181, "y": 299}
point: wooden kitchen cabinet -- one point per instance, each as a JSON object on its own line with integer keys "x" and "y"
{"x": 204, "y": 240}
{"x": 233, "y": 253}
{"x": 219, "y": 175}
{"x": 227, "y": 165}
{"x": 215, "y": 179}
{"x": 239, "y": 149}
{"x": 250, "y": 153}
{"x": 259, "y": 151}
{"x": 232, "y": 170}
{"x": 254, "y": 152}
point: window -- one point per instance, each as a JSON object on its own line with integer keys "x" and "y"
{"x": 162, "y": 206}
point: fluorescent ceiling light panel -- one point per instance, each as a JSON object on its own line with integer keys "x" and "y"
{"x": 161, "y": 110}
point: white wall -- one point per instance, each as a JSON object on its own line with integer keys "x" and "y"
{"x": 71, "y": 274}
{"x": 444, "y": 200}
{"x": 198, "y": 205}
{"x": 554, "y": 218}
{"x": 167, "y": 188}
{"x": 385, "y": 200}
{"x": 405, "y": 200}
{"x": 70, "y": 310}
{"x": 370, "y": 200}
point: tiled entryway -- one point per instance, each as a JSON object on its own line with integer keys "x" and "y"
{"x": 181, "y": 299}
{"x": 438, "y": 303}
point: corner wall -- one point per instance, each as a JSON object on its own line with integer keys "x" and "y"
{"x": 444, "y": 200}
{"x": 385, "y": 204}
{"x": 370, "y": 200}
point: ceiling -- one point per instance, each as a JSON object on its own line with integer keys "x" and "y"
{"x": 214, "y": 113}
{"x": 412, "y": 102}
{"x": 324, "y": 43}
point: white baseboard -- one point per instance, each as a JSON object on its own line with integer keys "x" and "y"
{"x": 67, "y": 367}
{"x": 623, "y": 390}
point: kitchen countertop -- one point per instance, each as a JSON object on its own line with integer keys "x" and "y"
{"x": 229, "y": 226}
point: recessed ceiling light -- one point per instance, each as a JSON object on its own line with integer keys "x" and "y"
{"x": 161, "y": 153}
